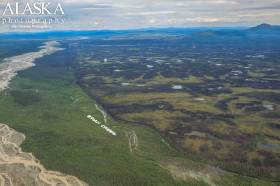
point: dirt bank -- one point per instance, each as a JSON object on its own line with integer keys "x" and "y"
{"x": 21, "y": 168}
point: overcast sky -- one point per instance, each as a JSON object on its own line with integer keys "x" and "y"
{"x": 123, "y": 14}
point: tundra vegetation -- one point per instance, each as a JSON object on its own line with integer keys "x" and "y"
{"x": 214, "y": 96}
{"x": 191, "y": 109}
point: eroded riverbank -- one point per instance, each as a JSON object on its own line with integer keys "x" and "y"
{"x": 17, "y": 167}
{"x": 11, "y": 66}
{"x": 21, "y": 168}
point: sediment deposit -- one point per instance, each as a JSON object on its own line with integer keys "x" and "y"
{"x": 11, "y": 66}
{"x": 19, "y": 168}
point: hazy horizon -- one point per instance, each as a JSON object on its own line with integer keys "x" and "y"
{"x": 136, "y": 14}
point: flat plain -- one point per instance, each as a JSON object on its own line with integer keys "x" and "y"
{"x": 188, "y": 109}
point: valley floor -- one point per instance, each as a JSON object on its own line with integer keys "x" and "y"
{"x": 50, "y": 108}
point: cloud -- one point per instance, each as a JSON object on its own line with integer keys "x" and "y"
{"x": 123, "y": 14}
{"x": 151, "y": 13}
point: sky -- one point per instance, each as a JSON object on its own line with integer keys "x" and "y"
{"x": 130, "y": 14}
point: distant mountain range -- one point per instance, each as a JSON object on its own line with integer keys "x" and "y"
{"x": 266, "y": 28}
